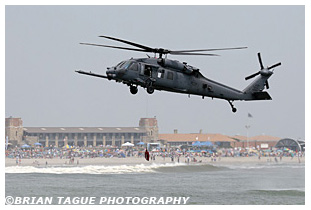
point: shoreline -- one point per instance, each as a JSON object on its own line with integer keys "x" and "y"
{"x": 158, "y": 160}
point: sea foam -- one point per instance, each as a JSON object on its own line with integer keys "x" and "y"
{"x": 91, "y": 169}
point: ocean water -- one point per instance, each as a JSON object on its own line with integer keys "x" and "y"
{"x": 207, "y": 184}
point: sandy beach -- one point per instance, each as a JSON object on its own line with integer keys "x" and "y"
{"x": 158, "y": 160}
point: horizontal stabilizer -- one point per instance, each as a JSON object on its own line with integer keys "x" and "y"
{"x": 262, "y": 96}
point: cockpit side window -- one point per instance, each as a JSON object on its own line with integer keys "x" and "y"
{"x": 134, "y": 67}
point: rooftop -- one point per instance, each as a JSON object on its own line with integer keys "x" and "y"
{"x": 84, "y": 130}
{"x": 182, "y": 137}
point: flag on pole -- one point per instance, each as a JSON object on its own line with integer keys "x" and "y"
{"x": 249, "y": 115}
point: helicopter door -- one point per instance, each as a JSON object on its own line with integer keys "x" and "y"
{"x": 146, "y": 70}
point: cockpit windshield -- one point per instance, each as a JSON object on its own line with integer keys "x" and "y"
{"x": 120, "y": 64}
{"x": 127, "y": 65}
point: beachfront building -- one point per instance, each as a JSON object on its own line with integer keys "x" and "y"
{"x": 258, "y": 142}
{"x": 292, "y": 144}
{"x": 13, "y": 130}
{"x": 147, "y": 131}
{"x": 178, "y": 139}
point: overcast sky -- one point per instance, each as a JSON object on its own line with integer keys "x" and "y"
{"x": 43, "y": 51}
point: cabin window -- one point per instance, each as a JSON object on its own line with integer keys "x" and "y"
{"x": 170, "y": 75}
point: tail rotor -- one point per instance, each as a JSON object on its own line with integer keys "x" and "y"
{"x": 263, "y": 71}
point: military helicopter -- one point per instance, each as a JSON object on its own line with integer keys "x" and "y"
{"x": 158, "y": 73}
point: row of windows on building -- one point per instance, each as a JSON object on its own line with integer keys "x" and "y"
{"x": 88, "y": 143}
{"x": 89, "y": 136}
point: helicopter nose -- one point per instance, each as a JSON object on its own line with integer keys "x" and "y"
{"x": 111, "y": 73}
{"x": 121, "y": 72}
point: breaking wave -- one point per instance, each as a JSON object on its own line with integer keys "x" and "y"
{"x": 144, "y": 168}
{"x": 120, "y": 169}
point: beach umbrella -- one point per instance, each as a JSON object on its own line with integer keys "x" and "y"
{"x": 207, "y": 143}
{"x": 37, "y": 144}
{"x": 140, "y": 143}
{"x": 127, "y": 144}
{"x": 25, "y": 146}
{"x": 196, "y": 143}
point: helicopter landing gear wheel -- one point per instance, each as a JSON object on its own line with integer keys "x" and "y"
{"x": 150, "y": 89}
{"x": 149, "y": 85}
{"x": 233, "y": 108}
{"x": 133, "y": 89}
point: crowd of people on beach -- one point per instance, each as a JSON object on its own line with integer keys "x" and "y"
{"x": 189, "y": 154}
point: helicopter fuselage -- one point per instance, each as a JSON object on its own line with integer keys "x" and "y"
{"x": 173, "y": 76}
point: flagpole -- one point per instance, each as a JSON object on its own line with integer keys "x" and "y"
{"x": 247, "y": 128}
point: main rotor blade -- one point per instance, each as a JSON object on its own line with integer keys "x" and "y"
{"x": 251, "y": 76}
{"x": 185, "y": 53}
{"x": 149, "y": 49}
{"x": 260, "y": 61}
{"x": 200, "y": 50}
{"x": 123, "y": 48}
{"x": 275, "y": 65}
